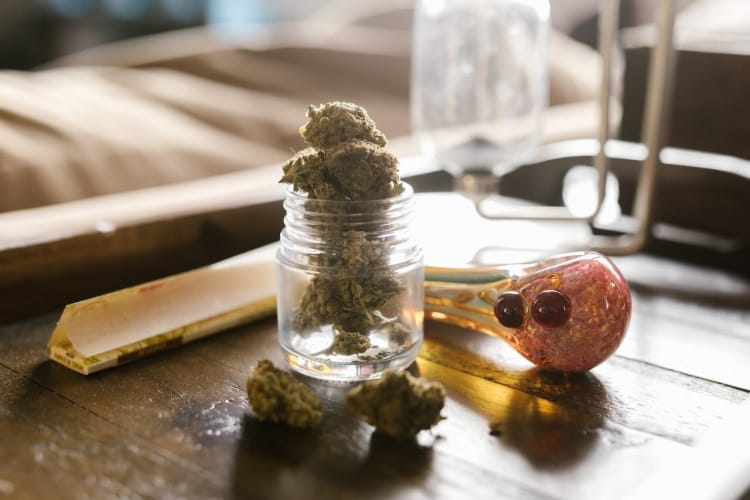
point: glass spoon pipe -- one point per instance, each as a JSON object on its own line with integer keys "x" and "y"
{"x": 569, "y": 312}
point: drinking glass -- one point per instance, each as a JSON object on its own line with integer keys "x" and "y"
{"x": 479, "y": 86}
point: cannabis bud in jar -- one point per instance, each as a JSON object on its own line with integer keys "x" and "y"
{"x": 398, "y": 404}
{"x": 350, "y": 273}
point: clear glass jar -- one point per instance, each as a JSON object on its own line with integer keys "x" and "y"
{"x": 350, "y": 278}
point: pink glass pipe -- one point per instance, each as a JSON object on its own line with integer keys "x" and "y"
{"x": 566, "y": 313}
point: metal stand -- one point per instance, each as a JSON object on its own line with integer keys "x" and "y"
{"x": 658, "y": 103}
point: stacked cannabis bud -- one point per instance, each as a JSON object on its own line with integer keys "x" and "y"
{"x": 346, "y": 162}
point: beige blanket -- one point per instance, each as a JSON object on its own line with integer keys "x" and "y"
{"x": 187, "y": 105}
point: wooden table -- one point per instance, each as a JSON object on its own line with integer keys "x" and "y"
{"x": 178, "y": 425}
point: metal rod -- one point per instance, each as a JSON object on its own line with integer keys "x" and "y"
{"x": 656, "y": 116}
{"x": 608, "y": 25}
{"x": 655, "y": 122}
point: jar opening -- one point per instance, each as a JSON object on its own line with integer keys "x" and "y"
{"x": 321, "y": 234}
{"x": 325, "y": 207}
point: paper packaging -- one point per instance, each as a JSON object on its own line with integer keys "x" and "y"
{"x": 129, "y": 324}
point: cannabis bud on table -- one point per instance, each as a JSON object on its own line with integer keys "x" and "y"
{"x": 276, "y": 395}
{"x": 398, "y": 404}
{"x": 347, "y": 245}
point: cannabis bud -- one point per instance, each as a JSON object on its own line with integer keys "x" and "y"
{"x": 398, "y": 404}
{"x": 277, "y": 396}
{"x": 346, "y": 162}
{"x": 339, "y": 122}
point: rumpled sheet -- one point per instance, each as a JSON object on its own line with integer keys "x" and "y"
{"x": 192, "y": 104}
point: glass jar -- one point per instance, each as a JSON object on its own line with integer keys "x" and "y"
{"x": 350, "y": 278}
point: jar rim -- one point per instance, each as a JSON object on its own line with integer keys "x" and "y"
{"x": 403, "y": 197}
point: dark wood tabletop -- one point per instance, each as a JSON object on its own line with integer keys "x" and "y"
{"x": 178, "y": 425}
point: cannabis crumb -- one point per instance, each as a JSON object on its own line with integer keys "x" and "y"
{"x": 397, "y": 333}
{"x": 377, "y": 357}
{"x": 277, "y": 396}
{"x": 496, "y": 428}
{"x": 349, "y": 343}
{"x": 398, "y": 404}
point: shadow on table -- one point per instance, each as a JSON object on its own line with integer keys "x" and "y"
{"x": 553, "y": 419}
{"x": 341, "y": 457}
{"x": 549, "y": 434}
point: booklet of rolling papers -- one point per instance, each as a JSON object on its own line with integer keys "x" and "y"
{"x": 125, "y": 325}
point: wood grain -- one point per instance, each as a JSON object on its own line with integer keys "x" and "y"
{"x": 178, "y": 425}
{"x": 44, "y": 275}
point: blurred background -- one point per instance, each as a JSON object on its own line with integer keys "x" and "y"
{"x": 99, "y": 97}
{"x": 33, "y": 32}
{"x": 116, "y": 113}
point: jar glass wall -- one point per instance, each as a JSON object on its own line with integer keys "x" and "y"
{"x": 350, "y": 286}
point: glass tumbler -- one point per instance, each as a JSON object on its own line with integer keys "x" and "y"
{"x": 479, "y": 85}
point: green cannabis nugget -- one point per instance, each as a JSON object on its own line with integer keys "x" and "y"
{"x": 350, "y": 342}
{"x": 346, "y": 162}
{"x": 337, "y": 122}
{"x": 276, "y": 395}
{"x": 398, "y": 404}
